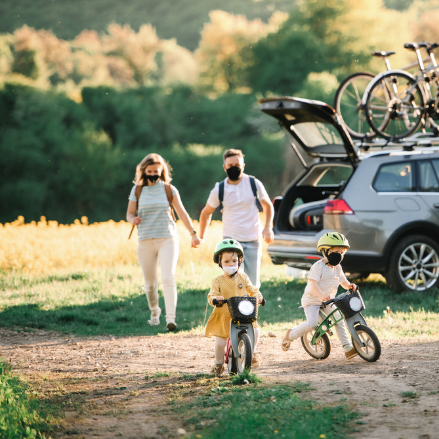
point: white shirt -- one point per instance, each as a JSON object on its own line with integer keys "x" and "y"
{"x": 240, "y": 213}
{"x": 328, "y": 279}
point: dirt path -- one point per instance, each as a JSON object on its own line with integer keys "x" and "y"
{"x": 103, "y": 381}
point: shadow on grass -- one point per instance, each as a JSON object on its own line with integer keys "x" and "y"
{"x": 128, "y": 314}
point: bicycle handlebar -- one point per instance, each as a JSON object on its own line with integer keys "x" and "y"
{"x": 334, "y": 300}
{"x": 220, "y": 303}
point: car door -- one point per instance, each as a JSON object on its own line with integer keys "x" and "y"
{"x": 428, "y": 171}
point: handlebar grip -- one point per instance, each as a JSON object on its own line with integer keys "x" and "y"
{"x": 218, "y": 303}
{"x": 328, "y": 302}
{"x": 263, "y": 302}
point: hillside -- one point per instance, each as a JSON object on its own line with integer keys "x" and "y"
{"x": 182, "y": 19}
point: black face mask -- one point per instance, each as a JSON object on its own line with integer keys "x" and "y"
{"x": 334, "y": 258}
{"x": 152, "y": 178}
{"x": 234, "y": 173}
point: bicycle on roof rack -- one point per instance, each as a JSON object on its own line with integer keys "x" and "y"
{"x": 349, "y": 95}
{"x": 397, "y": 103}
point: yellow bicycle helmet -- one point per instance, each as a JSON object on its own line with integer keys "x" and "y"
{"x": 332, "y": 239}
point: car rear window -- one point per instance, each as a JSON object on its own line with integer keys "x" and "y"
{"x": 335, "y": 175}
{"x": 318, "y": 134}
{"x": 397, "y": 177}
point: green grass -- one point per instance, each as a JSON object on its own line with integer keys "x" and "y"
{"x": 21, "y": 416}
{"x": 112, "y": 302}
{"x": 255, "y": 412}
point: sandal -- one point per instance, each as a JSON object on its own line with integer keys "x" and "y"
{"x": 155, "y": 318}
{"x": 286, "y": 341}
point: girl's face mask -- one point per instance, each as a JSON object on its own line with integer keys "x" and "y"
{"x": 231, "y": 270}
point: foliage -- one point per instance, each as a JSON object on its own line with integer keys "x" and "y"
{"x": 246, "y": 377}
{"x": 323, "y": 36}
{"x": 20, "y": 415}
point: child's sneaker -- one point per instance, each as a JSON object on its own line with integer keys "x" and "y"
{"x": 350, "y": 353}
{"x": 286, "y": 341}
{"x": 155, "y": 318}
{"x": 217, "y": 369}
{"x": 256, "y": 361}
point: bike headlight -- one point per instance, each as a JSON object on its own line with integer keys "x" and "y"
{"x": 355, "y": 304}
{"x": 246, "y": 307}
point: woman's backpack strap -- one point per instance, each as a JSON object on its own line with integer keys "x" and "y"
{"x": 137, "y": 193}
{"x": 170, "y": 198}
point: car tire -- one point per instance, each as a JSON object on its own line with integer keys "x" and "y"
{"x": 413, "y": 264}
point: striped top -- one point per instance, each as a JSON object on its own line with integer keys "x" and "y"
{"x": 328, "y": 278}
{"x": 154, "y": 210}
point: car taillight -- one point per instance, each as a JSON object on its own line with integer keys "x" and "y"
{"x": 337, "y": 207}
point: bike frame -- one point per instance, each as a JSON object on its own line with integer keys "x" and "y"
{"x": 235, "y": 330}
{"x": 332, "y": 319}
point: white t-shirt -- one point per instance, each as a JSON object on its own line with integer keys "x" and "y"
{"x": 240, "y": 213}
{"x": 328, "y": 278}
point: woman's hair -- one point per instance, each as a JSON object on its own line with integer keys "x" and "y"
{"x": 152, "y": 159}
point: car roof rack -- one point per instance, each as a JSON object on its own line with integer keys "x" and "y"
{"x": 421, "y": 140}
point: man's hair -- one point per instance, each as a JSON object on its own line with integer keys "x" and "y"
{"x": 233, "y": 152}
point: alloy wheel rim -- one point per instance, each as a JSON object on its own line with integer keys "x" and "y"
{"x": 418, "y": 266}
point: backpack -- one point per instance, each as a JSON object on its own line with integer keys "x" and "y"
{"x": 254, "y": 190}
{"x": 169, "y": 196}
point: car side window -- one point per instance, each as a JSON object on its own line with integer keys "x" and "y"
{"x": 397, "y": 177}
{"x": 428, "y": 178}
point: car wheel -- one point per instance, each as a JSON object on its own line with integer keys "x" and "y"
{"x": 413, "y": 264}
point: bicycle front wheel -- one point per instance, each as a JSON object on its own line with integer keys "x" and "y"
{"x": 395, "y": 105}
{"x": 347, "y": 103}
{"x": 371, "y": 350}
{"x": 244, "y": 353}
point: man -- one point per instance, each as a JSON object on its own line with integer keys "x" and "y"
{"x": 240, "y": 212}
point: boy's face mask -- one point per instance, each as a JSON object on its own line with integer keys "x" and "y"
{"x": 334, "y": 258}
{"x": 231, "y": 270}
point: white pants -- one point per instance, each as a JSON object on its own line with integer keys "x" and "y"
{"x": 312, "y": 320}
{"x": 150, "y": 252}
{"x": 221, "y": 344}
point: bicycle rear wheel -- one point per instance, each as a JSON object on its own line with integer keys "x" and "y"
{"x": 395, "y": 105}
{"x": 320, "y": 350}
{"x": 347, "y": 103}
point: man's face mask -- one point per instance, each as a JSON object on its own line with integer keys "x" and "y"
{"x": 334, "y": 258}
{"x": 234, "y": 173}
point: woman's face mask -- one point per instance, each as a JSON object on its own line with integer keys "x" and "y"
{"x": 152, "y": 178}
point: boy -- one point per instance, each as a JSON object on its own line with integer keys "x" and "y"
{"x": 324, "y": 278}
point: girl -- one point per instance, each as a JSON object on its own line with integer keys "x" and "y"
{"x": 229, "y": 255}
{"x": 149, "y": 209}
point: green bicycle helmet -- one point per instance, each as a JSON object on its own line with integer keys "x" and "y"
{"x": 332, "y": 239}
{"x": 227, "y": 245}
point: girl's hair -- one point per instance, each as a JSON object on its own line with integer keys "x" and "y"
{"x": 152, "y": 159}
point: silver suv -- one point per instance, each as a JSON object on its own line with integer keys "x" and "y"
{"x": 384, "y": 198}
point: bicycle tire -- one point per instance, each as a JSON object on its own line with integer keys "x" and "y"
{"x": 394, "y": 101}
{"x": 348, "y": 104}
{"x": 232, "y": 361}
{"x": 372, "y": 351}
{"x": 244, "y": 353}
{"x": 320, "y": 350}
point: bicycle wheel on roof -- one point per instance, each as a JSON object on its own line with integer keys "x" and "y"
{"x": 395, "y": 105}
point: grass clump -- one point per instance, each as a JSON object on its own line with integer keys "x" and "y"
{"x": 410, "y": 394}
{"x": 246, "y": 377}
{"x": 20, "y": 415}
{"x": 265, "y": 412}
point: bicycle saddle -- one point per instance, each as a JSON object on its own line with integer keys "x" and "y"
{"x": 382, "y": 54}
{"x": 415, "y": 46}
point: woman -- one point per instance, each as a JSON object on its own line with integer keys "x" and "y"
{"x": 158, "y": 241}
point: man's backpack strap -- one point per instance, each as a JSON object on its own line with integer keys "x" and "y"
{"x": 138, "y": 193}
{"x": 255, "y": 193}
{"x": 170, "y": 197}
{"x": 221, "y": 195}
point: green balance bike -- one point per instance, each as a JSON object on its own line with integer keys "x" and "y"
{"x": 241, "y": 343}
{"x": 347, "y": 306}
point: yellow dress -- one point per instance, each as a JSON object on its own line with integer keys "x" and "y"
{"x": 219, "y": 321}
